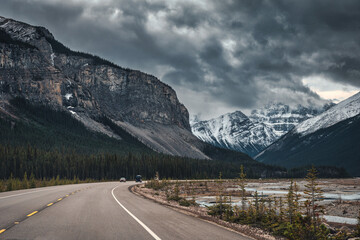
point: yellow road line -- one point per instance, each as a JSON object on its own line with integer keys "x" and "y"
{"x": 16, "y": 222}
{"x": 2, "y": 230}
{"x": 59, "y": 199}
{"x": 50, "y": 204}
{"x": 34, "y": 212}
{"x": 67, "y": 195}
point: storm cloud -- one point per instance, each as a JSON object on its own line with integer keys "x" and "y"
{"x": 219, "y": 56}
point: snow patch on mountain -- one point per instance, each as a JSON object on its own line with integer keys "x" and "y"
{"x": 17, "y": 30}
{"x": 234, "y": 131}
{"x": 282, "y": 118}
{"x": 343, "y": 110}
{"x": 252, "y": 134}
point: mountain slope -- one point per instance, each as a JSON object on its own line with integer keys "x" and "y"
{"x": 251, "y": 134}
{"x": 57, "y": 136}
{"x": 282, "y": 118}
{"x": 343, "y": 110}
{"x": 35, "y": 66}
{"x": 234, "y": 131}
{"x": 331, "y": 138}
{"x": 48, "y": 129}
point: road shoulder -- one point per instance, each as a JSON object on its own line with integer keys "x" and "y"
{"x": 244, "y": 230}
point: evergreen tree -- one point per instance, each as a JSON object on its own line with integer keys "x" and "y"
{"x": 242, "y": 185}
{"x": 271, "y": 210}
{"x": 10, "y": 184}
{"x": 256, "y": 205}
{"x": 297, "y": 197}
{"x": 290, "y": 203}
{"x": 220, "y": 200}
{"x": 281, "y": 209}
{"x": 25, "y": 182}
{"x": 32, "y": 181}
{"x": 313, "y": 195}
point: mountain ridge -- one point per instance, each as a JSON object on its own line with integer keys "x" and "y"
{"x": 330, "y": 137}
{"x": 252, "y": 134}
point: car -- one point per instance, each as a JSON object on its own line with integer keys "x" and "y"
{"x": 122, "y": 179}
{"x": 138, "y": 178}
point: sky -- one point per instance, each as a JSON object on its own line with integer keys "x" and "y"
{"x": 219, "y": 56}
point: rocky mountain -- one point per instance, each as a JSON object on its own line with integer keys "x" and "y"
{"x": 253, "y": 134}
{"x": 282, "y": 118}
{"x": 330, "y": 138}
{"x": 235, "y": 131}
{"x": 38, "y": 68}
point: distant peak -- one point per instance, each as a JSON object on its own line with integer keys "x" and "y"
{"x": 235, "y": 115}
{"x": 22, "y": 31}
{"x": 348, "y": 108}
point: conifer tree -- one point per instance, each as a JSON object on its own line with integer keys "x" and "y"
{"x": 256, "y": 204}
{"x": 251, "y": 215}
{"x": 313, "y": 195}
{"x": 220, "y": 195}
{"x": 25, "y": 182}
{"x": 176, "y": 192}
{"x": 290, "y": 202}
{"x": 10, "y": 183}
{"x": 242, "y": 185}
{"x": 297, "y": 197}
{"x": 271, "y": 209}
{"x": 57, "y": 180}
{"x": 281, "y": 209}
{"x": 262, "y": 206}
{"x": 275, "y": 206}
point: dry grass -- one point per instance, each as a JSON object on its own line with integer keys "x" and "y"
{"x": 160, "y": 196}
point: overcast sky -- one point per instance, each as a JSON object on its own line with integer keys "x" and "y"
{"x": 219, "y": 56}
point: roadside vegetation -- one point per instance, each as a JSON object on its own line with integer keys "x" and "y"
{"x": 30, "y": 182}
{"x": 281, "y": 216}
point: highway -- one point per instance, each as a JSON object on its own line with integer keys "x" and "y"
{"x": 97, "y": 211}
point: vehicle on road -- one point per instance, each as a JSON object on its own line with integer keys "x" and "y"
{"x": 138, "y": 178}
{"x": 122, "y": 179}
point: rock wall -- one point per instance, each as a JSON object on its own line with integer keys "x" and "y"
{"x": 35, "y": 66}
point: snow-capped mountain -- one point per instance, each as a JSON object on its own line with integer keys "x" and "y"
{"x": 235, "y": 131}
{"x": 344, "y": 110}
{"x": 252, "y": 134}
{"x": 330, "y": 138}
{"x": 282, "y": 118}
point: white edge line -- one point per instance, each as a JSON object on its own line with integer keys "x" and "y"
{"x": 15, "y": 195}
{"x": 133, "y": 216}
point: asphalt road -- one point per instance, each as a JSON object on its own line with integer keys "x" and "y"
{"x": 97, "y": 211}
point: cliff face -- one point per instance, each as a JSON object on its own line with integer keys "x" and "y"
{"x": 35, "y": 66}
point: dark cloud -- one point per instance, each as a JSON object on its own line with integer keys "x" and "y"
{"x": 218, "y": 55}
{"x": 186, "y": 15}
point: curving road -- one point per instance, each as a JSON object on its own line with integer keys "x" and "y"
{"x": 97, "y": 211}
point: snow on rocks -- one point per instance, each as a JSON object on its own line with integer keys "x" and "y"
{"x": 252, "y": 134}
{"x": 52, "y": 56}
{"x": 68, "y": 96}
{"x": 342, "y": 111}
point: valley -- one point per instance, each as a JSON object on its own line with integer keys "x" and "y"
{"x": 77, "y": 129}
